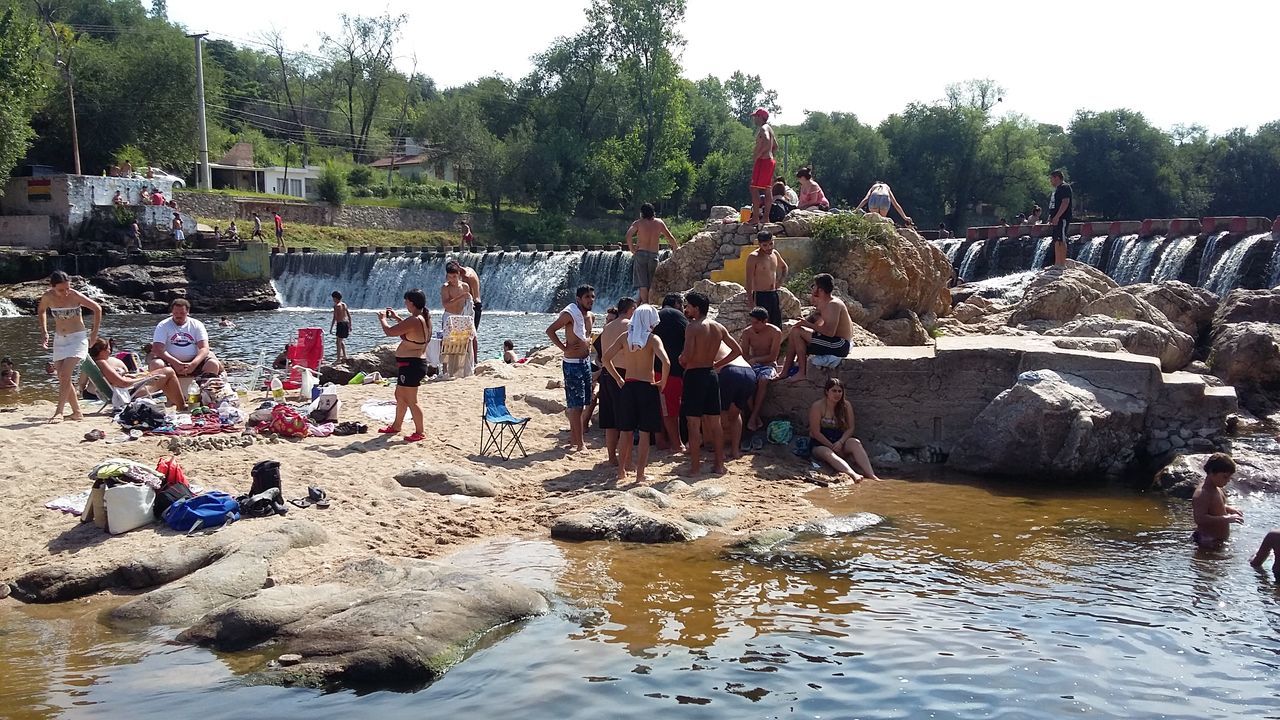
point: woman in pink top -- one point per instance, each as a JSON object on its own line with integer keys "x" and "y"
{"x": 811, "y": 195}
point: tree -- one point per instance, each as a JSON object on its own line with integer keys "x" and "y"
{"x": 1014, "y": 165}
{"x": 332, "y": 185}
{"x": 746, "y": 93}
{"x": 1120, "y": 165}
{"x": 362, "y": 54}
{"x": 20, "y": 87}
{"x": 846, "y": 155}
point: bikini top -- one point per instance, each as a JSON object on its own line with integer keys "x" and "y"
{"x": 65, "y": 313}
{"x": 423, "y": 343}
{"x": 830, "y": 423}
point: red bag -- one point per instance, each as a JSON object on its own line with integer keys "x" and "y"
{"x": 287, "y": 422}
{"x": 174, "y": 487}
{"x": 172, "y": 472}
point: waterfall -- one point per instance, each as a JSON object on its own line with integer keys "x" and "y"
{"x": 1227, "y": 271}
{"x": 1206, "y": 256}
{"x": 1175, "y": 259}
{"x": 1091, "y": 254}
{"x": 1121, "y": 254}
{"x": 950, "y": 248}
{"x": 520, "y": 281}
{"x": 1136, "y": 261}
{"x": 970, "y": 257}
{"x": 1042, "y": 252}
{"x": 8, "y": 309}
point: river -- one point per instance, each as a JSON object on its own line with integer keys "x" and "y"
{"x": 973, "y": 600}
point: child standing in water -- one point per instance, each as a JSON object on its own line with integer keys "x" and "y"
{"x": 1209, "y": 506}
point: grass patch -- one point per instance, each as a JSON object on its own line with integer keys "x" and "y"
{"x": 323, "y": 238}
{"x": 241, "y": 193}
{"x": 840, "y": 233}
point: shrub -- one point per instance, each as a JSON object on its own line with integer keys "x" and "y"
{"x": 800, "y": 282}
{"x": 837, "y": 234}
{"x": 360, "y": 175}
{"x": 333, "y": 185}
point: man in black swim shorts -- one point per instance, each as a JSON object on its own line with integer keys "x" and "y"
{"x": 1059, "y": 216}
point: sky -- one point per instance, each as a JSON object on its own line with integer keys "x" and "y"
{"x": 1177, "y": 62}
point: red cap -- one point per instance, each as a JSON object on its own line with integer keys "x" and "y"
{"x": 761, "y": 113}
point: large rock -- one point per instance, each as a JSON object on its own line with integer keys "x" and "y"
{"x": 1052, "y": 426}
{"x": 1246, "y": 353}
{"x": 1122, "y": 304}
{"x": 380, "y": 359}
{"x": 901, "y": 331}
{"x": 799, "y": 223}
{"x": 1254, "y": 473}
{"x": 1188, "y": 307}
{"x": 717, "y": 292}
{"x": 444, "y": 479}
{"x": 686, "y": 265}
{"x": 133, "y": 280}
{"x": 734, "y": 312}
{"x": 891, "y": 278}
{"x": 1249, "y": 306}
{"x": 623, "y": 517}
{"x": 1059, "y": 295}
{"x": 1174, "y": 348}
{"x": 382, "y": 623}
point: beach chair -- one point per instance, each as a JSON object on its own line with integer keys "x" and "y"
{"x": 500, "y": 430}
{"x": 100, "y": 387}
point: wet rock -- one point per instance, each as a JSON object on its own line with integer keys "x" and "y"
{"x": 1254, "y": 473}
{"x": 4, "y": 590}
{"x": 653, "y": 495}
{"x": 382, "y": 623}
{"x": 85, "y": 576}
{"x": 1088, "y": 343}
{"x": 624, "y": 519}
{"x": 1059, "y": 295}
{"x": 1052, "y": 426}
{"x": 444, "y": 479}
{"x": 764, "y": 541}
{"x": 713, "y": 516}
{"x": 1245, "y": 353}
{"x": 134, "y": 280}
{"x": 835, "y": 526}
{"x": 1188, "y": 307}
{"x": 381, "y": 359}
{"x": 1171, "y": 346}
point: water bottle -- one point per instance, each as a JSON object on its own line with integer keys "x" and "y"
{"x": 277, "y": 389}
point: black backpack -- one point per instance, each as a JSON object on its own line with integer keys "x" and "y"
{"x": 266, "y": 476}
{"x": 779, "y": 209}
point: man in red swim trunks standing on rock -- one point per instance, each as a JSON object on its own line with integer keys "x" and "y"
{"x": 762, "y": 168}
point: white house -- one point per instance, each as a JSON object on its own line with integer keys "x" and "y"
{"x": 236, "y": 172}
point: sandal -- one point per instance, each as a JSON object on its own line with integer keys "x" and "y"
{"x": 388, "y": 430}
{"x": 416, "y": 437}
{"x": 317, "y": 496}
{"x": 300, "y": 503}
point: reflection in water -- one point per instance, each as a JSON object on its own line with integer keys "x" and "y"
{"x": 970, "y": 600}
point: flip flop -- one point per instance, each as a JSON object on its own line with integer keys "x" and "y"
{"x": 388, "y": 430}
{"x": 416, "y": 437}
{"x": 303, "y": 503}
{"x": 757, "y": 443}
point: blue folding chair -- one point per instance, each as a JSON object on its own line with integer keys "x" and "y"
{"x": 500, "y": 429}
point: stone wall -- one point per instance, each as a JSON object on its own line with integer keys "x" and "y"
{"x": 72, "y": 199}
{"x": 33, "y": 231}
{"x": 385, "y": 218}
{"x": 253, "y": 263}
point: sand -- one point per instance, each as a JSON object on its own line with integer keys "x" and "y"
{"x": 370, "y": 512}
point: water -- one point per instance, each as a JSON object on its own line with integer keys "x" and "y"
{"x": 1175, "y": 258}
{"x": 1227, "y": 270}
{"x": 1009, "y": 288}
{"x": 973, "y": 601}
{"x": 1091, "y": 254}
{"x": 949, "y": 247}
{"x": 19, "y": 338}
{"x": 1207, "y": 255}
{"x": 517, "y": 281}
{"x": 8, "y": 309}
{"x": 1042, "y": 253}
{"x": 1122, "y": 253}
{"x": 970, "y": 259}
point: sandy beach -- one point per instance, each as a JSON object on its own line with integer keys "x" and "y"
{"x": 371, "y": 514}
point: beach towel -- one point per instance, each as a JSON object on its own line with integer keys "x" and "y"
{"x": 579, "y": 320}
{"x": 643, "y": 321}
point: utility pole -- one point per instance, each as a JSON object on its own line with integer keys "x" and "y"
{"x": 786, "y": 154}
{"x": 71, "y": 102}
{"x": 204, "y": 178}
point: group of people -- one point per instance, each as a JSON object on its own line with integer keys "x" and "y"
{"x": 657, "y": 365}
{"x": 179, "y": 350}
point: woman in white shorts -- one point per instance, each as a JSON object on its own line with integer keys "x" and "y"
{"x": 70, "y": 341}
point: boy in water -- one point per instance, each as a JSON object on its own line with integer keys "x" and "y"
{"x": 342, "y": 322}
{"x": 1209, "y": 506}
{"x": 10, "y": 379}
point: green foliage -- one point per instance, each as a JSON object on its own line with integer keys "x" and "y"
{"x": 1122, "y": 164}
{"x": 800, "y": 282}
{"x": 124, "y": 216}
{"x": 837, "y": 234}
{"x": 20, "y": 87}
{"x": 360, "y": 175}
{"x": 332, "y": 185}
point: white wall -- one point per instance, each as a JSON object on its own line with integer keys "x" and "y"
{"x": 302, "y": 181}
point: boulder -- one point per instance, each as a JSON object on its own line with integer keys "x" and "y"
{"x": 545, "y": 356}
{"x": 799, "y": 223}
{"x": 1254, "y": 473}
{"x": 718, "y": 292}
{"x": 720, "y": 212}
{"x": 444, "y": 479}
{"x": 133, "y": 280}
{"x": 1246, "y": 353}
{"x": 1188, "y": 307}
{"x": 686, "y": 265}
{"x": 380, "y": 359}
{"x": 626, "y": 518}
{"x": 1249, "y": 306}
{"x": 901, "y": 331}
{"x": 383, "y": 623}
{"x": 1059, "y": 295}
{"x": 546, "y": 402}
{"x": 733, "y": 312}
{"x": 496, "y": 369}
{"x": 1052, "y": 426}
{"x": 1122, "y": 304}
{"x": 1174, "y": 348}
{"x": 1088, "y": 343}
{"x": 887, "y": 279}
{"x": 713, "y": 516}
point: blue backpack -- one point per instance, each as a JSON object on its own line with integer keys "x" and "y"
{"x": 208, "y": 510}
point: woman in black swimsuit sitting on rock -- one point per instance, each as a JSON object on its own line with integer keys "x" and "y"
{"x": 411, "y": 359}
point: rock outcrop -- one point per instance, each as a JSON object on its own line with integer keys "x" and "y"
{"x": 1246, "y": 353}
{"x": 1059, "y": 296}
{"x": 1173, "y": 347}
{"x": 1189, "y": 308}
{"x": 381, "y": 359}
{"x": 1055, "y": 427}
{"x": 1254, "y": 473}
{"x": 686, "y": 265}
{"x": 1249, "y": 306}
{"x": 441, "y": 479}
{"x": 621, "y": 516}
{"x": 890, "y": 279}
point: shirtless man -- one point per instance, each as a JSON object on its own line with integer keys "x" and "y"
{"x": 10, "y": 379}
{"x": 638, "y": 407}
{"x": 472, "y": 279}
{"x": 762, "y": 166}
{"x": 642, "y": 240}
{"x": 700, "y": 402}
{"x": 1213, "y": 516}
{"x": 576, "y": 321}
{"x": 610, "y": 384}
{"x": 765, "y": 272}
{"x": 342, "y": 322}
{"x": 761, "y": 343}
{"x": 828, "y": 333}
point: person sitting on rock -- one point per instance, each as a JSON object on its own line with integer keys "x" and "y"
{"x": 118, "y": 199}
{"x": 788, "y": 193}
{"x": 182, "y": 343}
{"x": 831, "y": 433}
{"x": 761, "y": 343}
{"x": 811, "y": 195}
{"x": 126, "y": 386}
{"x": 827, "y": 332}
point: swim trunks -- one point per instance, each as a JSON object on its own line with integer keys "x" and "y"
{"x": 671, "y": 396}
{"x": 577, "y": 382}
{"x": 826, "y": 345}
{"x": 643, "y": 265}
{"x": 762, "y": 173}
{"x": 1060, "y": 231}
{"x": 638, "y": 407}
{"x": 879, "y": 204}
{"x": 344, "y": 330}
{"x": 737, "y": 387}
{"x": 478, "y": 309}
{"x": 411, "y": 371}
{"x": 771, "y": 301}
{"x": 765, "y": 372}
{"x": 701, "y": 393}
{"x": 609, "y": 394}
{"x": 71, "y": 345}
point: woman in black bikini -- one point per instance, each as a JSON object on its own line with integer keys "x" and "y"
{"x": 831, "y": 432}
{"x": 411, "y": 359}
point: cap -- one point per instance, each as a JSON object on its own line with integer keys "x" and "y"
{"x": 760, "y": 113}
